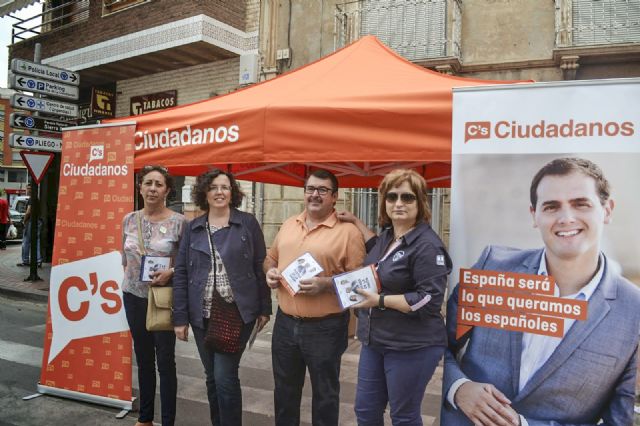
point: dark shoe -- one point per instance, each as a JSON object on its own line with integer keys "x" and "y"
{"x": 22, "y": 264}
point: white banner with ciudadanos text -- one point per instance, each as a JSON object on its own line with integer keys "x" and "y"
{"x": 544, "y": 209}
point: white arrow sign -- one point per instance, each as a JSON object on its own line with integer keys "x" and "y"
{"x": 38, "y": 143}
{"x": 37, "y": 85}
{"x": 47, "y": 106}
{"x": 50, "y": 73}
{"x": 37, "y": 163}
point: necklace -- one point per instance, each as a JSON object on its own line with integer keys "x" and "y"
{"x": 399, "y": 237}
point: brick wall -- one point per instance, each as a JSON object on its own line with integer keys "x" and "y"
{"x": 193, "y": 83}
{"x": 97, "y": 28}
{"x": 282, "y": 202}
{"x": 252, "y": 15}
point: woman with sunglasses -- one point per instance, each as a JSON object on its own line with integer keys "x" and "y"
{"x": 401, "y": 329}
{"x": 151, "y": 233}
{"x": 219, "y": 267}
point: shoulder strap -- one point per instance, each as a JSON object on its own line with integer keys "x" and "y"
{"x": 213, "y": 257}
{"x": 143, "y": 250}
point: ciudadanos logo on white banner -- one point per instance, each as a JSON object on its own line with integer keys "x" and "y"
{"x": 544, "y": 129}
{"x": 86, "y": 300}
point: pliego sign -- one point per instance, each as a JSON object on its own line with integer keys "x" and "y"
{"x": 24, "y": 121}
{"x": 21, "y": 66}
{"x": 36, "y": 143}
{"x": 46, "y": 87}
{"x": 47, "y": 106}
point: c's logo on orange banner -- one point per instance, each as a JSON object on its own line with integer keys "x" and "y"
{"x": 108, "y": 291}
{"x": 477, "y": 130}
{"x": 88, "y": 302}
{"x": 96, "y": 153}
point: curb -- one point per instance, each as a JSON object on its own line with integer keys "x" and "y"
{"x": 32, "y": 295}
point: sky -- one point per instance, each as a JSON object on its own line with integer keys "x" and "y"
{"x": 5, "y": 38}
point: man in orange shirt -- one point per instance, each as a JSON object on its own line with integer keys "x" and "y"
{"x": 310, "y": 329}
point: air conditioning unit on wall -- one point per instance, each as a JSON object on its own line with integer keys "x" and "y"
{"x": 249, "y": 64}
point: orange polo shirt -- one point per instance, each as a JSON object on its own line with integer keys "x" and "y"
{"x": 337, "y": 246}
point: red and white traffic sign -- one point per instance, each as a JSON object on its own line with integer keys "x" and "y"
{"x": 37, "y": 163}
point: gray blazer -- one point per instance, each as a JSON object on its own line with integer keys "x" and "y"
{"x": 590, "y": 376}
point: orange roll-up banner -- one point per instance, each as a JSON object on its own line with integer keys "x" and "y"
{"x": 87, "y": 347}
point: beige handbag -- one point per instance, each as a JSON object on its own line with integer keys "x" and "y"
{"x": 160, "y": 298}
{"x": 159, "y": 309}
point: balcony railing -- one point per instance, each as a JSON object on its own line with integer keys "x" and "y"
{"x": 51, "y": 18}
{"x": 597, "y": 22}
{"x": 416, "y": 29}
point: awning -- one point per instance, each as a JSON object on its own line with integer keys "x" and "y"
{"x": 10, "y": 6}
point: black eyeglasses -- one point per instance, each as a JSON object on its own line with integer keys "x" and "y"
{"x": 405, "y": 197}
{"x": 322, "y": 190}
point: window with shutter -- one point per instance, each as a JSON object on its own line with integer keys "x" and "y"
{"x": 605, "y": 22}
{"x": 416, "y": 29}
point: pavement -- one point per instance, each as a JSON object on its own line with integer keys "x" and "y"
{"x": 12, "y": 277}
{"x": 13, "y": 284}
{"x": 255, "y": 368}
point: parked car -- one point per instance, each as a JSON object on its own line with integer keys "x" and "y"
{"x": 17, "y": 217}
{"x": 20, "y": 203}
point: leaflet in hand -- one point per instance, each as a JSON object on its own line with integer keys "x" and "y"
{"x": 364, "y": 278}
{"x": 151, "y": 264}
{"x": 302, "y": 268}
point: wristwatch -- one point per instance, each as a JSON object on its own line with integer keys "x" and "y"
{"x": 381, "y": 302}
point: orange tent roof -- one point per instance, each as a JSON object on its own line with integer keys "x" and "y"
{"x": 359, "y": 112}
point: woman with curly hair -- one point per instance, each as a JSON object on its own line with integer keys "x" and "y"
{"x": 219, "y": 266}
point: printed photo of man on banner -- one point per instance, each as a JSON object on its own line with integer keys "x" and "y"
{"x": 543, "y": 314}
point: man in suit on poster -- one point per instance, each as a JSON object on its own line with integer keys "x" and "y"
{"x": 499, "y": 377}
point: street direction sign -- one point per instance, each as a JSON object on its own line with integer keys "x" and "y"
{"x": 21, "y": 66}
{"x": 48, "y": 106}
{"x": 37, "y": 163}
{"x": 37, "y": 143}
{"x": 36, "y": 85}
{"x": 24, "y": 121}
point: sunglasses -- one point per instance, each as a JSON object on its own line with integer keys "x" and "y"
{"x": 405, "y": 197}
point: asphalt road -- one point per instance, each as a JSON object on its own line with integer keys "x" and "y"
{"x": 21, "y": 340}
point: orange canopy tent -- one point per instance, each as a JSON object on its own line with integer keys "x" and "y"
{"x": 359, "y": 112}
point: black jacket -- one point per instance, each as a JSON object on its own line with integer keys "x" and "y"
{"x": 242, "y": 249}
{"x": 417, "y": 269}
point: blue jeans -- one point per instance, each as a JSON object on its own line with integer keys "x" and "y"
{"x": 223, "y": 384}
{"x": 26, "y": 242}
{"x": 397, "y": 377}
{"x": 317, "y": 345}
{"x": 150, "y": 346}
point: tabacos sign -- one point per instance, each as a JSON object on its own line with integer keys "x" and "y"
{"x": 153, "y": 102}
{"x": 543, "y": 129}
